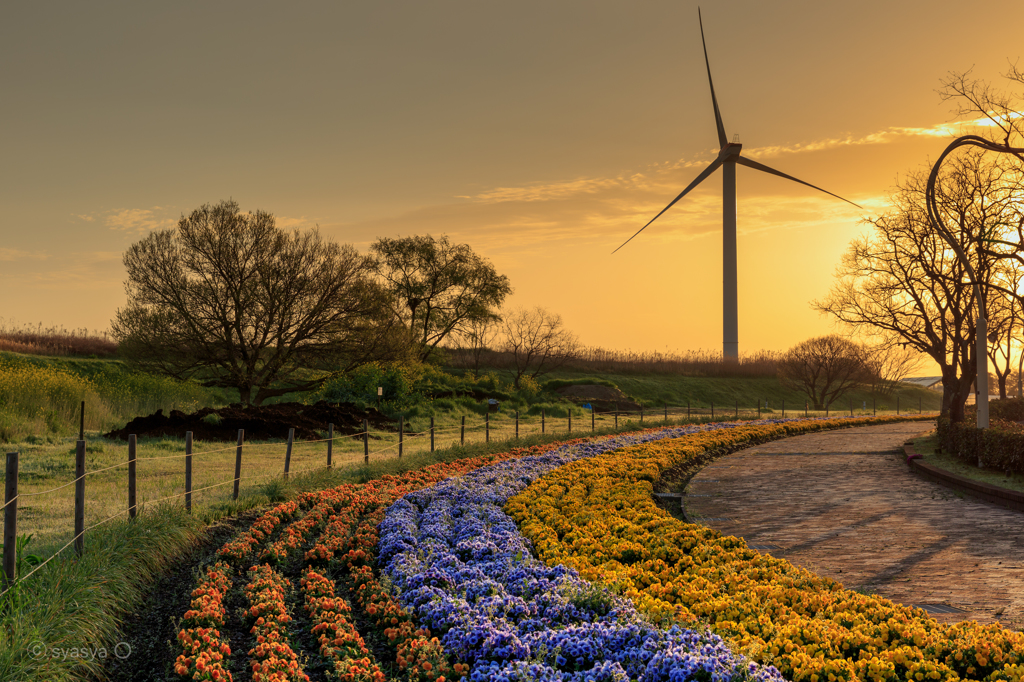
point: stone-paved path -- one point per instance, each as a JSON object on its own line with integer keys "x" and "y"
{"x": 845, "y": 505}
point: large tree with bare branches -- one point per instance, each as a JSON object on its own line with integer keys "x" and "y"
{"x": 230, "y": 300}
{"x": 904, "y": 282}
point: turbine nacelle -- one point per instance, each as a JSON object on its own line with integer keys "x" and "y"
{"x": 731, "y": 151}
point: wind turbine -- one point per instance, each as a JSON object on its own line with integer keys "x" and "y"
{"x": 728, "y": 157}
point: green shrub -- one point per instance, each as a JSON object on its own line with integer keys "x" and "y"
{"x": 359, "y": 386}
{"x": 1000, "y": 447}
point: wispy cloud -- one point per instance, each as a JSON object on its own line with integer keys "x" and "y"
{"x": 21, "y": 255}
{"x": 136, "y": 220}
{"x": 139, "y": 220}
{"x": 655, "y": 177}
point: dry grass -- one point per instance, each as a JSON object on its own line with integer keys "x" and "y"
{"x": 700, "y": 363}
{"x": 56, "y": 341}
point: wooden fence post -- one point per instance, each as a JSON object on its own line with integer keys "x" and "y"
{"x": 330, "y": 444}
{"x": 805, "y": 409}
{"x": 591, "y": 418}
{"x": 827, "y": 405}
{"x": 542, "y": 420}
{"x": 238, "y": 462}
{"x": 81, "y": 423}
{"x": 666, "y": 413}
{"x": 11, "y": 518}
{"x": 873, "y": 406}
{"x": 570, "y": 420}
{"x": 366, "y": 442}
{"x": 401, "y": 435}
{"x": 487, "y": 426}
{"x": 712, "y": 409}
{"x": 517, "y": 424}
{"x": 616, "y": 416}
{"x": 80, "y": 497}
{"x": 783, "y": 408}
{"x": 188, "y": 471}
{"x": 431, "y": 433}
{"x": 462, "y": 431}
{"x": 288, "y": 453}
{"x": 132, "y": 447}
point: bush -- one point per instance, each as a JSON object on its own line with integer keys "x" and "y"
{"x": 360, "y": 385}
{"x": 1000, "y": 447}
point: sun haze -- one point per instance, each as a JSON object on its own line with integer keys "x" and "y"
{"x": 542, "y": 134}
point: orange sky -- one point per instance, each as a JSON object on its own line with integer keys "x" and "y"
{"x": 543, "y": 134}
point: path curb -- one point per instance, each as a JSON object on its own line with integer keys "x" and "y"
{"x": 1011, "y": 499}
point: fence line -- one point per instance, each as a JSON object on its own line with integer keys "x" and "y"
{"x": 416, "y": 437}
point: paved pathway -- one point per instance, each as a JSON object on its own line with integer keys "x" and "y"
{"x": 844, "y": 504}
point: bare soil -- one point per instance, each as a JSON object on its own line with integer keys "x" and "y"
{"x": 602, "y": 398}
{"x": 266, "y": 422}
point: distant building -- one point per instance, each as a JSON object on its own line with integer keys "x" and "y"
{"x": 934, "y": 383}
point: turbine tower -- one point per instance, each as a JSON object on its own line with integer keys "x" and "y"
{"x": 728, "y": 157}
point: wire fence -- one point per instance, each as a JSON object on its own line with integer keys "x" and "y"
{"x": 506, "y": 426}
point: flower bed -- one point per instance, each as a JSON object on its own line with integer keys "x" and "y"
{"x": 461, "y": 566}
{"x": 346, "y": 518}
{"x": 599, "y": 517}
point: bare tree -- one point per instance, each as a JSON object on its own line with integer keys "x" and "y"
{"x": 229, "y": 300}
{"x": 1005, "y": 322}
{"x": 905, "y": 283}
{"x": 536, "y": 342}
{"x": 439, "y": 288}
{"x": 888, "y": 363}
{"x": 478, "y": 337}
{"x": 824, "y": 368}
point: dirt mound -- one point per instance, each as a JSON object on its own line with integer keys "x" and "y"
{"x": 602, "y": 398}
{"x": 266, "y": 422}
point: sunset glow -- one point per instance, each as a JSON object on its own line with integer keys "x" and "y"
{"x": 543, "y": 139}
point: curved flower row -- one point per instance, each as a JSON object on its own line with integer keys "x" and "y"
{"x": 241, "y": 548}
{"x": 272, "y": 659}
{"x": 338, "y": 639}
{"x": 462, "y": 567}
{"x": 599, "y": 518}
{"x": 203, "y": 648}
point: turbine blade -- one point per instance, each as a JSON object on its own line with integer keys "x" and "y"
{"x": 699, "y": 179}
{"x": 722, "y": 138}
{"x": 744, "y": 161}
